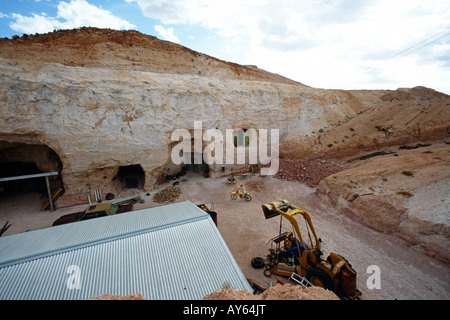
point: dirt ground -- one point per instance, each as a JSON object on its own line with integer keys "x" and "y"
{"x": 406, "y": 273}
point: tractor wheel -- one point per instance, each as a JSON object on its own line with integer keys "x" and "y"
{"x": 319, "y": 278}
{"x": 248, "y": 197}
{"x": 234, "y": 196}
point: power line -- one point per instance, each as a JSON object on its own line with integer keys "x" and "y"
{"x": 371, "y": 69}
{"x": 425, "y": 45}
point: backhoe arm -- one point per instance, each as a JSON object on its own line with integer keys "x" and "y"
{"x": 287, "y": 210}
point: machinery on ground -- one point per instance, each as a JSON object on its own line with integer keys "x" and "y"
{"x": 209, "y": 211}
{"x": 291, "y": 256}
{"x": 94, "y": 211}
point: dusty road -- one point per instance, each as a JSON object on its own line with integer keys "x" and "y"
{"x": 406, "y": 273}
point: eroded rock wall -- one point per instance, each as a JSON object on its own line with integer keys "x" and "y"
{"x": 404, "y": 192}
{"x": 102, "y": 99}
{"x": 98, "y": 119}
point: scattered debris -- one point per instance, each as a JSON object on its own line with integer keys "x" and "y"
{"x": 408, "y": 173}
{"x": 129, "y": 200}
{"x": 277, "y": 292}
{"x": 309, "y": 172}
{"x": 177, "y": 175}
{"x": 370, "y": 155}
{"x": 405, "y": 193}
{"x": 419, "y": 145}
{"x": 231, "y": 179}
{"x": 355, "y": 196}
{"x": 257, "y": 289}
{"x": 386, "y": 129}
{"x": 137, "y": 296}
{"x": 167, "y": 195}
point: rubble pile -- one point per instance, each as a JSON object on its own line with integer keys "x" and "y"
{"x": 137, "y": 296}
{"x": 309, "y": 172}
{"x": 167, "y": 195}
{"x": 277, "y": 292}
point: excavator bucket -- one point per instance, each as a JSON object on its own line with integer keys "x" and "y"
{"x": 270, "y": 209}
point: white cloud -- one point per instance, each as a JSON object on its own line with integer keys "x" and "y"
{"x": 325, "y": 43}
{"x": 73, "y": 14}
{"x": 34, "y": 24}
{"x": 167, "y": 34}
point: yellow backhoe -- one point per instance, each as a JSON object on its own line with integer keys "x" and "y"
{"x": 291, "y": 256}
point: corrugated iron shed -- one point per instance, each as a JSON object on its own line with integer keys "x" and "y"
{"x": 170, "y": 252}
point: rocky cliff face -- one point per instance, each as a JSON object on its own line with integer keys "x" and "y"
{"x": 125, "y": 51}
{"x": 100, "y": 119}
{"x": 101, "y": 99}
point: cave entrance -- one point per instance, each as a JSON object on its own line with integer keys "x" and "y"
{"x": 197, "y": 167}
{"x": 16, "y": 169}
{"x": 132, "y": 176}
{"x": 28, "y": 175}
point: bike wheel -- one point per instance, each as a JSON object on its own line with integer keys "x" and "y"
{"x": 248, "y": 197}
{"x": 234, "y": 196}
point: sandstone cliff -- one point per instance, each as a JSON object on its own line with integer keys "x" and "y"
{"x": 124, "y": 51}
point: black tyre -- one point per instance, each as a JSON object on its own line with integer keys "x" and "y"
{"x": 319, "y": 278}
{"x": 234, "y": 196}
{"x": 248, "y": 197}
{"x": 258, "y": 263}
{"x": 109, "y": 196}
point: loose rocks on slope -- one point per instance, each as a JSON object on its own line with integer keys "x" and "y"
{"x": 309, "y": 172}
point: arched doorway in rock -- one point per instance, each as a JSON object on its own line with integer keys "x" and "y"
{"x": 21, "y": 160}
{"x": 132, "y": 176}
{"x": 16, "y": 169}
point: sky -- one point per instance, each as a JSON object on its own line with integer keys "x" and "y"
{"x": 331, "y": 44}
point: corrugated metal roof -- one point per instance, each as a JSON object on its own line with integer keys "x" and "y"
{"x": 30, "y": 245}
{"x": 169, "y": 252}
